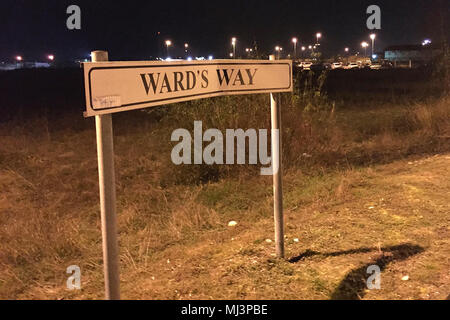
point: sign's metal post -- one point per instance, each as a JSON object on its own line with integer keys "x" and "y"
{"x": 277, "y": 172}
{"x": 105, "y": 152}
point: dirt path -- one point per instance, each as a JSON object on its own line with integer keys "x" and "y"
{"x": 394, "y": 216}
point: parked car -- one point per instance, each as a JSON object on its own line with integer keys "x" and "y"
{"x": 306, "y": 65}
{"x": 336, "y": 65}
{"x": 375, "y": 66}
{"x": 352, "y": 65}
{"x": 387, "y": 65}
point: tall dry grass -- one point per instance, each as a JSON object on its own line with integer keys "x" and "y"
{"x": 49, "y": 215}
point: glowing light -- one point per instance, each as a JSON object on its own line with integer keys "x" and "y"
{"x": 189, "y": 58}
{"x": 303, "y": 48}
{"x": 426, "y": 42}
{"x": 294, "y": 40}
{"x": 210, "y": 57}
{"x": 372, "y": 36}
{"x": 346, "y": 49}
{"x": 186, "y": 45}
{"x": 233, "y": 43}
{"x": 231, "y": 55}
{"x": 318, "y": 35}
{"x": 364, "y": 44}
{"x": 168, "y": 43}
{"x": 51, "y": 57}
{"x": 19, "y": 58}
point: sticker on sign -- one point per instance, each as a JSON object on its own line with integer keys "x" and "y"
{"x": 120, "y": 86}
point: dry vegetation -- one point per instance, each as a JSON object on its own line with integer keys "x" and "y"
{"x": 362, "y": 186}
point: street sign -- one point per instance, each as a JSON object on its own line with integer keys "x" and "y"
{"x": 120, "y": 86}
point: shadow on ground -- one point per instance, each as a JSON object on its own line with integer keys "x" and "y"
{"x": 352, "y": 287}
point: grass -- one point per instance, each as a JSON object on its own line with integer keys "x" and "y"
{"x": 361, "y": 186}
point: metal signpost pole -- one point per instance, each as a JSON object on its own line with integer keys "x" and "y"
{"x": 105, "y": 152}
{"x": 277, "y": 173}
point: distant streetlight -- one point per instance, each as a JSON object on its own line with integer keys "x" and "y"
{"x": 294, "y": 41}
{"x": 373, "y": 36}
{"x": 186, "y": 47}
{"x": 278, "y": 49}
{"x": 233, "y": 43}
{"x": 19, "y": 58}
{"x": 51, "y": 57}
{"x": 249, "y": 51}
{"x": 231, "y": 54}
{"x": 303, "y": 48}
{"x": 346, "y": 50}
{"x": 168, "y": 44}
{"x": 365, "y": 45}
{"x": 318, "y": 36}
{"x": 310, "y": 47}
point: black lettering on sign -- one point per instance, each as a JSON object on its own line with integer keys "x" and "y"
{"x": 157, "y": 83}
{"x": 165, "y": 84}
{"x": 205, "y": 79}
{"x": 250, "y": 75}
{"x": 239, "y": 78}
{"x": 223, "y": 74}
{"x": 190, "y": 76}
{"x": 178, "y": 81}
{"x": 152, "y": 82}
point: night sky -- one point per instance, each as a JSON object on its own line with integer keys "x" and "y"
{"x": 129, "y": 29}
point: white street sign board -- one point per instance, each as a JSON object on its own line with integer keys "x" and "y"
{"x": 120, "y": 86}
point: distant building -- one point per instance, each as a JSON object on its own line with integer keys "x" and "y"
{"x": 412, "y": 55}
